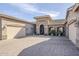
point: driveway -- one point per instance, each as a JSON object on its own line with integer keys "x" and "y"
{"x": 56, "y": 46}
{"x": 38, "y": 46}
{"x": 13, "y": 47}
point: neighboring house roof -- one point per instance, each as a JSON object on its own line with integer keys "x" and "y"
{"x": 14, "y": 18}
{"x": 59, "y": 21}
{"x": 41, "y": 17}
{"x": 45, "y": 16}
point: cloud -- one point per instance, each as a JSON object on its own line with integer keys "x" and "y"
{"x": 32, "y": 8}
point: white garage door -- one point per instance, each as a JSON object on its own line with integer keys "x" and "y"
{"x": 72, "y": 33}
{"x": 15, "y": 32}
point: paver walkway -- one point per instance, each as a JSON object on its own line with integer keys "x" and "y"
{"x": 56, "y": 46}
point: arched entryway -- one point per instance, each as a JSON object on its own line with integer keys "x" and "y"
{"x": 41, "y": 29}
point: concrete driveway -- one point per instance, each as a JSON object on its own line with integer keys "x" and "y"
{"x": 14, "y": 46}
{"x": 38, "y": 46}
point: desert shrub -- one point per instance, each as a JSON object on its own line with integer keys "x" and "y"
{"x": 52, "y": 32}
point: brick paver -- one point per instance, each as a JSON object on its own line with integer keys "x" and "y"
{"x": 56, "y": 46}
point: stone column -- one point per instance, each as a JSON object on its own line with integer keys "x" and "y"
{"x": 4, "y": 29}
{"x": 67, "y": 31}
{"x": 0, "y": 29}
{"x": 37, "y": 30}
{"x": 46, "y": 30}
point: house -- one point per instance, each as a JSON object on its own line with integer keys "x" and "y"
{"x": 45, "y": 23}
{"x": 11, "y": 27}
{"x": 72, "y": 24}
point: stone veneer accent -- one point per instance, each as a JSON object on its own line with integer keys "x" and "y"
{"x": 72, "y": 25}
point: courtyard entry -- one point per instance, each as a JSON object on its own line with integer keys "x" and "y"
{"x": 41, "y": 29}
{"x": 56, "y": 31}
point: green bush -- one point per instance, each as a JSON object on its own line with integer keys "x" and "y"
{"x": 60, "y": 32}
{"x": 55, "y": 33}
{"x": 52, "y": 32}
{"x": 49, "y": 33}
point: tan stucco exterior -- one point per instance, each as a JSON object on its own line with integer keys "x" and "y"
{"x": 42, "y": 20}
{"x": 14, "y": 28}
{"x": 47, "y": 22}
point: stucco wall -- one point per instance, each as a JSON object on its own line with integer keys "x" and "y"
{"x": 15, "y": 29}
{"x": 42, "y": 22}
{"x": 29, "y": 29}
{"x": 67, "y": 30}
{"x": 0, "y": 29}
{"x": 71, "y": 16}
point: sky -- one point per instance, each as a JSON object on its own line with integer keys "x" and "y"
{"x": 27, "y": 11}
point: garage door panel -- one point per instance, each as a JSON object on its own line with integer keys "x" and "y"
{"x": 15, "y": 32}
{"x": 72, "y": 33}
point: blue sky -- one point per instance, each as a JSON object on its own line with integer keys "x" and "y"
{"x": 28, "y": 11}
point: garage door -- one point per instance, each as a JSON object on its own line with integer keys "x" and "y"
{"x": 72, "y": 33}
{"x": 15, "y": 32}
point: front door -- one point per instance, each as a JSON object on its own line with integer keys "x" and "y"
{"x": 41, "y": 29}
